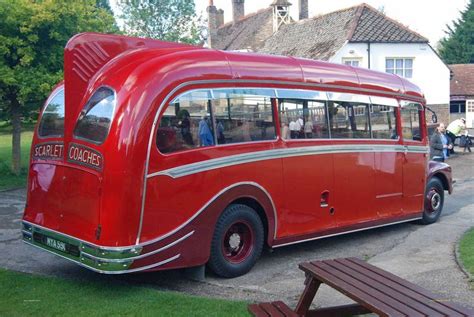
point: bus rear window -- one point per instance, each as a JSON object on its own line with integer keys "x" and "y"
{"x": 94, "y": 122}
{"x": 52, "y": 120}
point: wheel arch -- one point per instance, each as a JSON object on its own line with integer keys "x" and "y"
{"x": 254, "y": 196}
{"x": 443, "y": 172}
{"x": 443, "y": 179}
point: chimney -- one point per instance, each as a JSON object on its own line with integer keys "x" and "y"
{"x": 220, "y": 17}
{"x": 212, "y": 22}
{"x": 281, "y": 14}
{"x": 303, "y": 4}
{"x": 238, "y": 10}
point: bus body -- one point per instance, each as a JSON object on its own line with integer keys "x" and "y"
{"x": 154, "y": 155}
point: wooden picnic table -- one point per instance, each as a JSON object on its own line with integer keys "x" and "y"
{"x": 373, "y": 289}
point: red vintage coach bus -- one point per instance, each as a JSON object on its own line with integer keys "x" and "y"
{"x": 154, "y": 155}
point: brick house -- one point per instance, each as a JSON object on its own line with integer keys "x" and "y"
{"x": 462, "y": 93}
{"x": 358, "y": 36}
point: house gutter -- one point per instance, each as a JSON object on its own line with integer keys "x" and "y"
{"x": 368, "y": 55}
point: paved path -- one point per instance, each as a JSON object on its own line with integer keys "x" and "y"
{"x": 421, "y": 254}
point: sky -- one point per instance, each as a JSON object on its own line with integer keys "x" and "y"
{"x": 427, "y": 17}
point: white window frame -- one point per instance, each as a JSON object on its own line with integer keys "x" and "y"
{"x": 351, "y": 61}
{"x": 403, "y": 69}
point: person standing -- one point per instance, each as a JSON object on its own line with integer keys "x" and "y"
{"x": 439, "y": 144}
{"x": 299, "y": 127}
{"x": 185, "y": 126}
{"x": 455, "y": 129}
{"x": 308, "y": 129}
{"x": 220, "y": 132}
{"x": 465, "y": 142}
{"x": 205, "y": 134}
{"x": 293, "y": 129}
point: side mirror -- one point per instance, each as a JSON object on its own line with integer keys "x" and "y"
{"x": 434, "y": 117}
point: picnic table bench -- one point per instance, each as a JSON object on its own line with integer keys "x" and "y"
{"x": 373, "y": 289}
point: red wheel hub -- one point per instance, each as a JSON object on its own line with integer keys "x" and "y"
{"x": 238, "y": 242}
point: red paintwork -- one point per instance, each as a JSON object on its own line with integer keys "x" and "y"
{"x": 75, "y": 199}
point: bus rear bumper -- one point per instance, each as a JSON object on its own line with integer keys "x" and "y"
{"x": 102, "y": 259}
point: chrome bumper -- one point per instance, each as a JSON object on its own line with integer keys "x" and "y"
{"x": 108, "y": 260}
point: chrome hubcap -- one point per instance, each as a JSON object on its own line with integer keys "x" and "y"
{"x": 435, "y": 201}
{"x": 234, "y": 241}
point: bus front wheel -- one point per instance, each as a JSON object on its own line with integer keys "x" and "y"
{"x": 434, "y": 200}
{"x": 237, "y": 242}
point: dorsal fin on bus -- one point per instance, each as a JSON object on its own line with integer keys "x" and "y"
{"x": 86, "y": 53}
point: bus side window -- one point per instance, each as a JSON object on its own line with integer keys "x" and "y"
{"x": 303, "y": 119}
{"x": 349, "y": 120}
{"x": 241, "y": 117}
{"x": 291, "y": 118}
{"x": 410, "y": 116}
{"x": 383, "y": 121}
{"x": 186, "y": 124}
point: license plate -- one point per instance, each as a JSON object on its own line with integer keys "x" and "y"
{"x": 55, "y": 244}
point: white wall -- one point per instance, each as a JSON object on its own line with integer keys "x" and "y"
{"x": 429, "y": 72}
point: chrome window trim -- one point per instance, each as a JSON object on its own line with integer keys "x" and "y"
{"x": 384, "y": 101}
{"x": 280, "y": 94}
{"x": 347, "y": 97}
{"x": 165, "y": 101}
{"x": 407, "y": 103}
{"x": 59, "y": 89}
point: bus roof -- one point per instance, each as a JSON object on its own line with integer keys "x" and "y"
{"x": 88, "y": 56}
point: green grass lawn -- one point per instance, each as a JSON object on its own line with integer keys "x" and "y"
{"x": 7, "y": 179}
{"x": 466, "y": 250}
{"x": 28, "y": 295}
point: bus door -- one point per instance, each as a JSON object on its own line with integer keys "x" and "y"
{"x": 415, "y": 157}
{"x": 307, "y": 168}
{"x": 354, "y": 172}
{"x": 389, "y": 156}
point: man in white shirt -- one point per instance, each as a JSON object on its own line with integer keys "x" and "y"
{"x": 299, "y": 127}
{"x": 293, "y": 129}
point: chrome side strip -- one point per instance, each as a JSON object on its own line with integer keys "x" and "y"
{"x": 142, "y": 255}
{"x": 212, "y": 164}
{"x": 389, "y": 195}
{"x": 111, "y": 272}
{"x": 345, "y": 232}
{"x": 107, "y": 248}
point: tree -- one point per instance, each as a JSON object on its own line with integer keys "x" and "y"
{"x": 32, "y": 41}
{"x": 167, "y": 20}
{"x": 458, "y": 46}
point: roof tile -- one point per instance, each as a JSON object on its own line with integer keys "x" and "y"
{"x": 462, "y": 82}
{"x": 374, "y": 26}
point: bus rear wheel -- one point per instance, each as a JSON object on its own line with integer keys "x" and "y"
{"x": 434, "y": 200}
{"x": 237, "y": 242}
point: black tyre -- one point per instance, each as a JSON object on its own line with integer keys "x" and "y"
{"x": 434, "y": 200}
{"x": 237, "y": 242}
